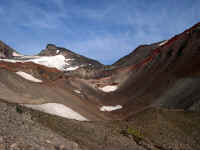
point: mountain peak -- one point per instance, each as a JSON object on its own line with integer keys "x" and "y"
{"x": 50, "y": 50}
{"x": 51, "y": 47}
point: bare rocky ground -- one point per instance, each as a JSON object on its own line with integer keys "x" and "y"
{"x": 154, "y": 129}
{"x": 23, "y": 129}
{"x": 18, "y": 131}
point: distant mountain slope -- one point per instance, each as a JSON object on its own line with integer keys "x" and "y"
{"x": 164, "y": 74}
{"x": 136, "y": 56}
{"x": 76, "y": 59}
{"x": 167, "y": 76}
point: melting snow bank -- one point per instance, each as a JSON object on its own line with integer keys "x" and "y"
{"x": 28, "y": 76}
{"x": 109, "y": 88}
{"x": 57, "y": 109}
{"x": 110, "y": 108}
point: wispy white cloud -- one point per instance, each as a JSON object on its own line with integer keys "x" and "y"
{"x": 105, "y": 30}
{"x": 24, "y": 13}
{"x": 106, "y": 48}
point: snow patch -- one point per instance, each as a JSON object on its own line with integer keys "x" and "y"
{"x": 163, "y": 43}
{"x": 57, "y": 109}
{"x": 77, "y": 91}
{"x": 66, "y": 60}
{"x": 109, "y": 88}
{"x": 110, "y": 108}
{"x": 72, "y": 68}
{"x": 57, "y": 61}
{"x": 28, "y": 76}
{"x": 57, "y": 51}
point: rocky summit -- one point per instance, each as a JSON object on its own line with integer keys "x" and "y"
{"x": 60, "y": 100}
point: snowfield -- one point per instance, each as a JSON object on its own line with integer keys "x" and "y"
{"x": 28, "y": 77}
{"x": 57, "y": 109}
{"x": 58, "y": 61}
{"x": 109, "y": 88}
{"x": 110, "y": 108}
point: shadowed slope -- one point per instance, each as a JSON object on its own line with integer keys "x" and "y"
{"x": 164, "y": 74}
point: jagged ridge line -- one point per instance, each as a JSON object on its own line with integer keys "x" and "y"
{"x": 157, "y": 51}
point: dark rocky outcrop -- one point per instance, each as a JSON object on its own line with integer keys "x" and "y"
{"x": 6, "y": 51}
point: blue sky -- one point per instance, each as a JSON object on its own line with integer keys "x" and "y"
{"x": 101, "y": 29}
